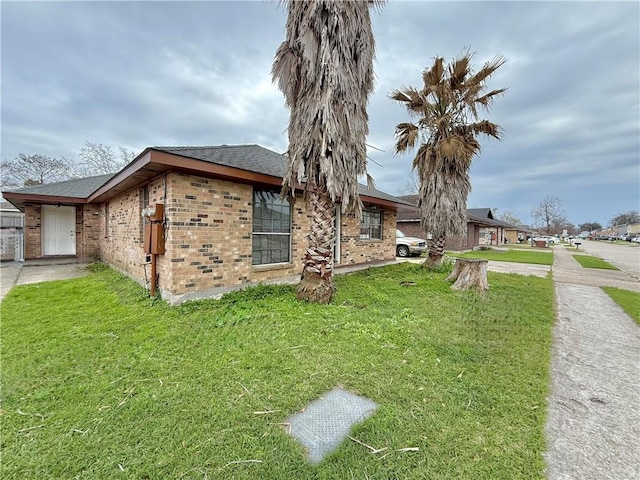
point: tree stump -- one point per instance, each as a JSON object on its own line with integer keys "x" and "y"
{"x": 469, "y": 273}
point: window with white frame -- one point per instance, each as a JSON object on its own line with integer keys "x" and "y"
{"x": 271, "y": 234}
{"x": 371, "y": 224}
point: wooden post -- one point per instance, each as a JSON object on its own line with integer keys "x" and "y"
{"x": 152, "y": 287}
{"x": 469, "y": 273}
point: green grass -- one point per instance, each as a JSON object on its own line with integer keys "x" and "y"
{"x": 628, "y": 300}
{"x": 522, "y": 246}
{"x": 99, "y": 381}
{"x": 511, "y": 255}
{"x": 589, "y": 261}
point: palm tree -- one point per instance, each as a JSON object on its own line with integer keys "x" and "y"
{"x": 446, "y": 109}
{"x": 325, "y": 70}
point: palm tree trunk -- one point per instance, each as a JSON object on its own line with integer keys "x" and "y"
{"x": 436, "y": 252}
{"x": 316, "y": 283}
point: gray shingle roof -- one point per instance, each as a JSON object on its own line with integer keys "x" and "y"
{"x": 75, "y": 188}
{"x": 483, "y": 213}
{"x": 478, "y": 215}
{"x": 4, "y": 205}
{"x": 372, "y": 192}
{"x": 252, "y": 158}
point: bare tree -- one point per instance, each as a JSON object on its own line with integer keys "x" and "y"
{"x": 412, "y": 185}
{"x": 549, "y": 212}
{"x": 100, "y": 159}
{"x": 509, "y": 217}
{"x": 30, "y": 170}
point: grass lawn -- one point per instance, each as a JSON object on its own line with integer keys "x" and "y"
{"x": 99, "y": 381}
{"x": 522, "y": 246}
{"x": 628, "y": 300}
{"x": 511, "y": 255}
{"x": 589, "y": 261}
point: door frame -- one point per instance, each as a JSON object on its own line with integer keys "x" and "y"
{"x": 51, "y": 210}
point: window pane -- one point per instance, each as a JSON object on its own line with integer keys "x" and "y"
{"x": 371, "y": 224}
{"x": 271, "y": 228}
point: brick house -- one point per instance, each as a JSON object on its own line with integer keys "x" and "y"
{"x": 224, "y": 224}
{"x": 482, "y": 228}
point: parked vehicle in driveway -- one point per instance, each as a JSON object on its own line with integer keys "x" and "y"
{"x": 547, "y": 239}
{"x": 409, "y": 246}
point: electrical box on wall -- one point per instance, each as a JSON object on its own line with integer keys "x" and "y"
{"x": 154, "y": 229}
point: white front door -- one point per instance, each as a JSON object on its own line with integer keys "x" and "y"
{"x": 58, "y": 230}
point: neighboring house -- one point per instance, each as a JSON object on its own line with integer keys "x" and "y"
{"x": 627, "y": 229}
{"x": 519, "y": 233}
{"x": 11, "y": 232}
{"x": 493, "y": 231}
{"x": 224, "y": 225}
{"x": 482, "y": 228}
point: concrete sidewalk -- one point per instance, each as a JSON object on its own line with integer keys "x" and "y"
{"x": 593, "y": 423}
{"x": 9, "y": 272}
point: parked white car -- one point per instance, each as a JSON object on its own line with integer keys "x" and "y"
{"x": 409, "y": 246}
{"x": 547, "y": 239}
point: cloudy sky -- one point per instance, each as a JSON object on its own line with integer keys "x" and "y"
{"x": 139, "y": 74}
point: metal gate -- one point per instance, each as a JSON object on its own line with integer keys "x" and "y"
{"x": 11, "y": 236}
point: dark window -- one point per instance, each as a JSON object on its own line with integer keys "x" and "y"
{"x": 271, "y": 228}
{"x": 106, "y": 219}
{"x": 371, "y": 224}
{"x": 144, "y": 203}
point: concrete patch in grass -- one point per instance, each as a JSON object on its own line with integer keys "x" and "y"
{"x": 326, "y": 422}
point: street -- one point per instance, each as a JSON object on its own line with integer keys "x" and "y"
{"x": 625, "y": 257}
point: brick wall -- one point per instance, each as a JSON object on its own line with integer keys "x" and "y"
{"x": 208, "y": 238}
{"x": 412, "y": 229}
{"x": 356, "y": 250}
{"x": 208, "y": 234}
{"x": 458, "y": 243}
{"x": 32, "y": 231}
{"x": 120, "y": 233}
{"x": 88, "y": 233}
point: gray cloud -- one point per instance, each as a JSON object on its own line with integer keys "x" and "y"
{"x": 178, "y": 73}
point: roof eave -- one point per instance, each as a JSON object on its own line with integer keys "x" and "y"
{"x": 379, "y": 201}
{"x": 152, "y": 163}
{"x": 19, "y": 200}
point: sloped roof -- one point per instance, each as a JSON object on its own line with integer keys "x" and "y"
{"x": 481, "y": 216}
{"x": 408, "y": 212}
{"x": 238, "y": 158}
{"x": 74, "y": 191}
{"x": 482, "y": 213}
{"x": 364, "y": 190}
{"x": 252, "y": 158}
{"x": 7, "y": 206}
{"x": 76, "y": 187}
